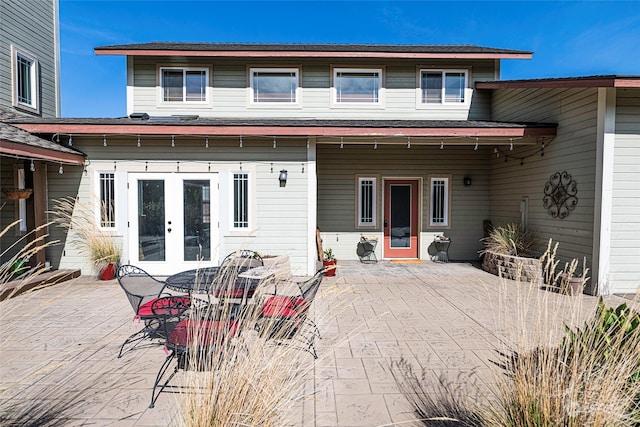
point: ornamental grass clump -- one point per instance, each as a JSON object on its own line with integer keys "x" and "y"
{"x": 255, "y": 377}
{"x": 83, "y": 233}
{"x": 511, "y": 239}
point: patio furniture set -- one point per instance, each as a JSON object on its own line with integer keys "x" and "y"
{"x": 196, "y": 313}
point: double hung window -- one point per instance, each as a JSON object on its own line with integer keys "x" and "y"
{"x": 367, "y": 206}
{"x": 439, "y": 214}
{"x": 184, "y": 84}
{"x": 357, "y": 86}
{"x": 274, "y": 85}
{"x": 25, "y": 79}
{"x": 443, "y": 86}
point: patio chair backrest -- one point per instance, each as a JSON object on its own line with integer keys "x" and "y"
{"x": 309, "y": 288}
{"x": 139, "y": 286}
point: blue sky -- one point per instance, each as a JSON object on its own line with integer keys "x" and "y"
{"x": 570, "y": 38}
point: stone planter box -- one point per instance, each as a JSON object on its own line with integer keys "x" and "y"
{"x": 512, "y": 267}
{"x": 282, "y": 266}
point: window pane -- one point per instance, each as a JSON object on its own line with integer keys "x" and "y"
{"x": 240, "y": 200}
{"x": 197, "y": 220}
{"x": 357, "y": 87}
{"x": 438, "y": 202}
{"x": 431, "y": 87}
{"x": 24, "y": 83}
{"x": 367, "y": 202}
{"x": 172, "y": 85}
{"x": 107, "y": 200}
{"x": 196, "y": 86}
{"x": 274, "y": 87}
{"x": 454, "y": 87}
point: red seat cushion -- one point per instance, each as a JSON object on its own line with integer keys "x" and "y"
{"x": 201, "y": 333}
{"x": 177, "y": 305}
{"x": 284, "y": 306}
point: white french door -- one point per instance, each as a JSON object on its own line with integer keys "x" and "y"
{"x": 173, "y": 221}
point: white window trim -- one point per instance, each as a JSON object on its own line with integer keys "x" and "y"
{"x": 374, "y": 201}
{"x": 358, "y": 105}
{"x": 184, "y": 102}
{"x": 467, "y": 90}
{"x": 270, "y": 105}
{"x": 250, "y": 203}
{"x": 98, "y": 199}
{"x": 33, "y": 75}
{"x": 447, "y": 180}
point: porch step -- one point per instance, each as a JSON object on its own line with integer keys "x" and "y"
{"x": 17, "y": 287}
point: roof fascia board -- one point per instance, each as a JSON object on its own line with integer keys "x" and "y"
{"x": 31, "y": 152}
{"x": 310, "y": 54}
{"x": 89, "y": 129}
{"x": 561, "y": 83}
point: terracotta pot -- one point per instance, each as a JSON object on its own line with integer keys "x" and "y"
{"x": 571, "y": 285}
{"x": 332, "y": 271}
{"x": 109, "y": 272}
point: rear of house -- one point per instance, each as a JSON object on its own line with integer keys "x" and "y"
{"x": 231, "y": 146}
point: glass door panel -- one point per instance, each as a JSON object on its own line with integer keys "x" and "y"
{"x": 400, "y": 216}
{"x": 151, "y": 214}
{"x": 197, "y": 220}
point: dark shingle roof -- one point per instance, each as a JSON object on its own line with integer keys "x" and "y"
{"x": 203, "y": 121}
{"x": 13, "y": 134}
{"x": 295, "y": 47}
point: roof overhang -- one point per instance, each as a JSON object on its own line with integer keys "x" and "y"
{"x": 511, "y": 131}
{"x": 297, "y": 54}
{"x": 564, "y": 83}
{"x": 25, "y": 151}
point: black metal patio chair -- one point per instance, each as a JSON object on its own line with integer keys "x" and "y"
{"x": 142, "y": 291}
{"x": 285, "y": 319}
{"x": 193, "y": 342}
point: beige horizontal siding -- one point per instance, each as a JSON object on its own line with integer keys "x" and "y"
{"x": 624, "y": 273}
{"x": 229, "y": 90}
{"x": 573, "y": 150}
{"x": 338, "y": 168}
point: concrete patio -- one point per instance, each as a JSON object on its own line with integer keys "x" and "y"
{"x": 446, "y": 318}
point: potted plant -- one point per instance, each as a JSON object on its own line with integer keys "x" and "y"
{"x": 329, "y": 262}
{"x": 569, "y": 281}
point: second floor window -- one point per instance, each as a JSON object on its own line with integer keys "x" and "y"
{"x": 184, "y": 84}
{"x": 443, "y": 86}
{"x": 274, "y": 85}
{"x": 25, "y": 79}
{"x": 357, "y": 86}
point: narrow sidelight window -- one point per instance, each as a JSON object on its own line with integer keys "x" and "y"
{"x": 439, "y": 209}
{"x": 107, "y": 200}
{"x": 367, "y": 202}
{"x": 240, "y": 200}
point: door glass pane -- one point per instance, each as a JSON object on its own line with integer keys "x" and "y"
{"x": 151, "y": 230}
{"x": 400, "y": 216}
{"x": 197, "y": 220}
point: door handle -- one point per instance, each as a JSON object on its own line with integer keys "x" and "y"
{"x": 386, "y": 224}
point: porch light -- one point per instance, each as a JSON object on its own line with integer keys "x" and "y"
{"x": 467, "y": 181}
{"x": 283, "y": 178}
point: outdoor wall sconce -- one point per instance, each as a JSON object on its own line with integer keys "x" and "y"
{"x": 283, "y": 178}
{"x": 467, "y": 181}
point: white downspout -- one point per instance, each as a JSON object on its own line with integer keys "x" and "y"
{"x": 312, "y": 206}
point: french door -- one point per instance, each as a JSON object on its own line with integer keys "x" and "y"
{"x": 401, "y": 218}
{"x": 173, "y": 221}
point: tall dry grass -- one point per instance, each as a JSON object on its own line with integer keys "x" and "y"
{"x": 254, "y": 378}
{"x": 564, "y": 361}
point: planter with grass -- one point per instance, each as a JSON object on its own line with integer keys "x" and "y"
{"x": 509, "y": 253}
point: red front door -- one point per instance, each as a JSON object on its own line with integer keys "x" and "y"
{"x": 401, "y": 218}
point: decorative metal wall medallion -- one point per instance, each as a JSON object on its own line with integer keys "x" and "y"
{"x": 560, "y": 195}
